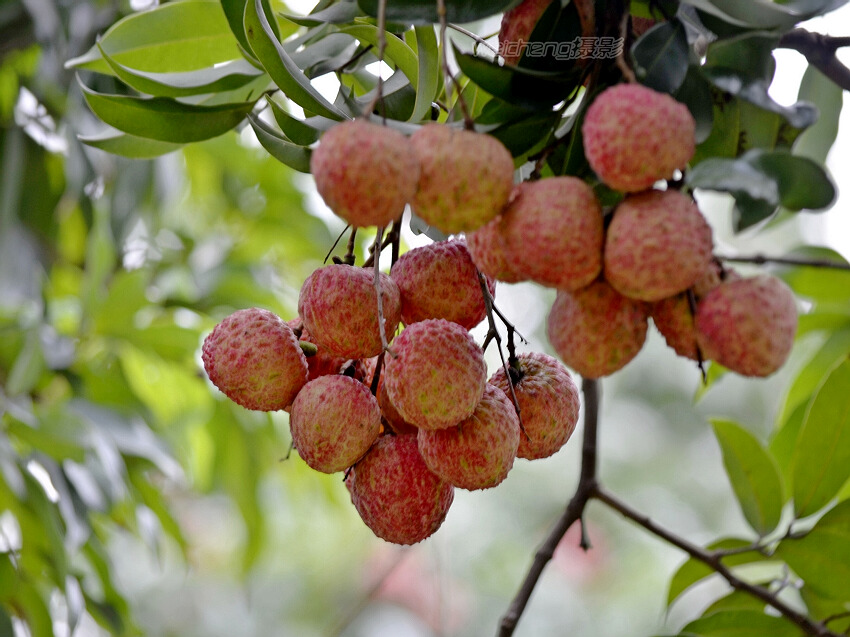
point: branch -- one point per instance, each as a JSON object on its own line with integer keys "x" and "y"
{"x": 586, "y": 488}
{"x": 820, "y": 50}
{"x": 761, "y": 259}
{"x": 809, "y": 626}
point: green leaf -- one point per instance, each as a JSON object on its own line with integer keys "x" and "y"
{"x": 397, "y": 50}
{"x": 742, "y": 623}
{"x": 429, "y": 72}
{"x": 784, "y": 441}
{"x": 175, "y": 37}
{"x": 753, "y": 474}
{"x": 280, "y": 67}
{"x": 425, "y": 11}
{"x": 164, "y": 119}
{"x": 818, "y": 89}
{"x": 821, "y": 463}
{"x": 521, "y": 135}
{"x": 337, "y": 13}
{"x": 28, "y": 366}
{"x": 293, "y": 155}
{"x": 802, "y": 182}
{"x": 661, "y": 56}
{"x": 762, "y": 15}
{"x": 822, "y": 285}
{"x": 695, "y": 93}
{"x": 749, "y": 55}
{"x": 296, "y": 130}
{"x": 822, "y": 556}
{"x": 736, "y": 600}
{"x": 131, "y": 146}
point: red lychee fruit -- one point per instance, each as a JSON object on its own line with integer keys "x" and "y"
{"x": 479, "y": 452}
{"x": 748, "y": 325}
{"x": 254, "y": 358}
{"x": 553, "y": 230}
{"x": 465, "y": 178}
{"x": 596, "y": 330}
{"x": 488, "y": 250}
{"x": 548, "y": 401}
{"x": 435, "y": 374}
{"x": 658, "y": 244}
{"x": 365, "y": 172}
{"x": 517, "y": 26}
{"x": 334, "y": 420}
{"x": 396, "y": 495}
{"x": 339, "y": 307}
{"x": 320, "y": 363}
{"x": 634, "y": 136}
{"x": 440, "y": 280}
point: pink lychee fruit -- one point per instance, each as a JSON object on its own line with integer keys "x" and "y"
{"x": 596, "y": 330}
{"x": 479, "y": 452}
{"x": 365, "y": 172}
{"x": 465, "y": 178}
{"x": 254, "y": 358}
{"x": 634, "y": 136}
{"x": 553, "y": 229}
{"x": 439, "y": 280}
{"x": 334, "y": 420}
{"x": 339, "y": 307}
{"x": 658, "y": 244}
{"x": 390, "y": 418}
{"x": 488, "y": 250}
{"x": 435, "y": 374}
{"x": 320, "y": 363}
{"x": 517, "y": 26}
{"x": 548, "y": 401}
{"x": 748, "y": 325}
{"x": 398, "y": 497}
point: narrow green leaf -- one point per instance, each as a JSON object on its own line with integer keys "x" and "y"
{"x": 296, "y": 130}
{"x": 822, "y": 556}
{"x": 661, "y": 56}
{"x": 337, "y": 13}
{"x": 280, "y": 67}
{"x": 294, "y": 156}
{"x": 425, "y": 11}
{"x": 695, "y": 93}
{"x": 821, "y": 463}
{"x": 753, "y": 474}
{"x": 821, "y": 285}
{"x": 742, "y": 623}
{"x": 164, "y": 119}
{"x": 131, "y": 146}
{"x": 429, "y": 72}
{"x": 397, "y": 50}
{"x": 818, "y": 89}
{"x": 762, "y": 15}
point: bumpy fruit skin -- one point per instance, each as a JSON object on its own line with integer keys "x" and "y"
{"x": 634, "y": 136}
{"x": 748, "y": 325}
{"x": 479, "y": 452}
{"x": 334, "y": 420}
{"x": 465, "y": 179}
{"x": 396, "y": 495}
{"x": 339, "y": 308}
{"x": 440, "y": 280}
{"x": 365, "y": 172}
{"x": 488, "y": 250}
{"x": 548, "y": 402}
{"x": 517, "y": 26}
{"x": 254, "y": 358}
{"x": 553, "y": 230}
{"x": 596, "y": 330}
{"x": 437, "y": 375}
{"x": 658, "y": 244}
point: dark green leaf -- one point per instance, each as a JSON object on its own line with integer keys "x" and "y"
{"x": 425, "y": 11}
{"x": 397, "y": 50}
{"x": 294, "y": 156}
{"x": 338, "y": 13}
{"x": 742, "y": 623}
{"x": 522, "y": 135}
{"x": 131, "y": 146}
{"x": 695, "y": 93}
{"x": 661, "y": 56}
{"x": 802, "y": 182}
{"x": 296, "y": 130}
{"x": 821, "y": 463}
{"x": 429, "y": 72}
{"x": 762, "y": 15}
{"x": 748, "y": 55}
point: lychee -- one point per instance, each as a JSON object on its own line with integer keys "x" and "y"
{"x": 553, "y": 230}
{"x": 634, "y": 136}
{"x": 435, "y": 374}
{"x": 465, "y": 177}
{"x": 517, "y": 26}
{"x": 479, "y": 452}
{"x": 339, "y": 307}
{"x": 488, "y": 250}
{"x": 254, "y": 358}
{"x": 365, "y": 172}
{"x": 334, "y": 420}
{"x": 321, "y": 363}
{"x": 748, "y": 325}
{"x": 548, "y": 400}
{"x": 439, "y": 280}
{"x": 396, "y": 495}
{"x": 596, "y": 330}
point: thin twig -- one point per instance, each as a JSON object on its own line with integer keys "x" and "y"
{"x": 382, "y": 45}
{"x": 820, "y": 50}
{"x": 477, "y": 38}
{"x": 377, "y": 262}
{"x": 761, "y": 259}
{"x": 333, "y": 247}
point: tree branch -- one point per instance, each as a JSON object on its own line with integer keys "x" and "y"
{"x": 820, "y": 50}
{"x": 585, "y": 489}
{"x": 761, "y": 259}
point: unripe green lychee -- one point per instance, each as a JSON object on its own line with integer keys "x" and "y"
{"x": 339, "y": 307}
{"x": 548, "y": 401}
{"x": 658, "y": 244}
{"x": 435, "y": 374}
{"x": 634, "y": 136}
{"x": 396, "y": 495}
{"x": 254, "y": 358}
{"x": 479, "y": 452}
{"x": 439, "y": 280}
{"x": 748, "y": 325}
{"x": 517, "y": 26}
{"x": 596, "y": 330}
{"x": 488, "y": 250}
{"x": 465, "y": 177}
{"x": 334, "y": 420}
{"x": 365, "y": 172}
{"x": 553, "y": 230}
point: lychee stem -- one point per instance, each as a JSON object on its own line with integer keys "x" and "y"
{"x": 382, "y": 45}
{"x": 308, "y": 348}
{"x": 377, "y": 281}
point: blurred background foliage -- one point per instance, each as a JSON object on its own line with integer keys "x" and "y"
{"x": 135, "y": 499}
